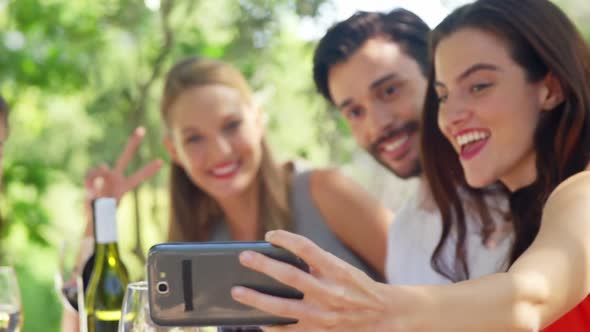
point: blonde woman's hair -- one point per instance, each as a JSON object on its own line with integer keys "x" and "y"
{"x": 192, "y": 211}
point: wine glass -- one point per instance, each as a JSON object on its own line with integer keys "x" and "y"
{"x": 10, "y": 305}
{"x": 135, "y": 314}
{"x": 73, "y": 265}
{"x": 65, "y": 278}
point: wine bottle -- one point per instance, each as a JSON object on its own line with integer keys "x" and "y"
{"x": 109, "y": 278}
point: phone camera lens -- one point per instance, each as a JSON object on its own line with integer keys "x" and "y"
{"x": 162, "y": 287}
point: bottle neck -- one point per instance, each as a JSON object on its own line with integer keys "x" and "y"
{"x": 107, "y": 252}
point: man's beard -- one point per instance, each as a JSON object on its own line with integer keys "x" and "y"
{"x": 409, "y": 129}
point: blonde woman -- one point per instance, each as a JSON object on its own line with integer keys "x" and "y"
{"x": 225, "y": 184}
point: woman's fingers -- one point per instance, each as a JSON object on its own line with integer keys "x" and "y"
{"x": 277, "y": 328}
{"x": 317, "y": 258}
{"x": 274, "y": 329}
{"x": 277, "y": 306}
{"x": 336, "y": 295}
{"x": 282, "y": 272}
{"x": 95, "y": 179}
{"x": 130, "y": 149}
{"x": 310, "y": 317}
{"x": 91, "y": 175}
{"x": 104, "y": 181}
{"x": 144, "y": 173}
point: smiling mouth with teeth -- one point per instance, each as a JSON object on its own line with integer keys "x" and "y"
{"x": 391, "y": 146}
{"x": 467, "y": 140}
{"x": 472, "y": 137}
{"x": 394, "y": 139}
{"x": 225, "y": 170}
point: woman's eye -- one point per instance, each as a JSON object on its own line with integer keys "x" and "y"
{"x": 193, "y": 139}
{"x": 233, "y": 125}
{"x": 442, "y": 98}
{"x": 475, "y": 88}
{"x": 389, "y": 90}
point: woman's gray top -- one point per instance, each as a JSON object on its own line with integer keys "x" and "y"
{"x": 307, "y": 221}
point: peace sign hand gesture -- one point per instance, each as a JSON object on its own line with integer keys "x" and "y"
{"x": 103, "y": 181}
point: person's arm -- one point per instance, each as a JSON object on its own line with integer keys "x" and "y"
{"x": 358, "y": 219}
{"x": 549, "y": 279}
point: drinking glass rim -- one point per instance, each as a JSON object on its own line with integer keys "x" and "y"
{"x": 138, "y": 285}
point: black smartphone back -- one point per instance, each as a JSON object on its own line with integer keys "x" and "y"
{"x": 189, "y": 284}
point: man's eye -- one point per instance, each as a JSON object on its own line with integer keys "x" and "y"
{"x": 355, "y": 112}
{"x": 387, "y": 92}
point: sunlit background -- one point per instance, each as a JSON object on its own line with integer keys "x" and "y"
{"x": 80, "y": 75}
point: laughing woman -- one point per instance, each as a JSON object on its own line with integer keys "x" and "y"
{"x": 225, "y": 184}
{"x": 508, "y": 102}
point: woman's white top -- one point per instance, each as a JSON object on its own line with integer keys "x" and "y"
{"x": 415, "y": 233}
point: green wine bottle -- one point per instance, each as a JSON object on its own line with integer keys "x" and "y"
{"x": 109, "y": 279}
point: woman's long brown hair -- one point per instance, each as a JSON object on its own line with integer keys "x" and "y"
{"x": 541, "y": 40}
{"x": 192, "y": 211}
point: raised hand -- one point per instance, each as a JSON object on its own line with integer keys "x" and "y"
{"x": 338, "y": 297}
{"x": 103, "y": 181}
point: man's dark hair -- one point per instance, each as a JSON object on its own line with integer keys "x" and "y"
{"x": 344, "y": 38}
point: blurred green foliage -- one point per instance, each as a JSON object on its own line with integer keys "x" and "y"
{"x": 80, "y": 75}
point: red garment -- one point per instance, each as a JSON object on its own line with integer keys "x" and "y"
{"x": 577, "y": 320}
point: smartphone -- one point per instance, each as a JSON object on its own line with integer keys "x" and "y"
{"x": 189, "y": 284}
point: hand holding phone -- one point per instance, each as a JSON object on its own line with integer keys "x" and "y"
{"x": 189, "y": 284}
